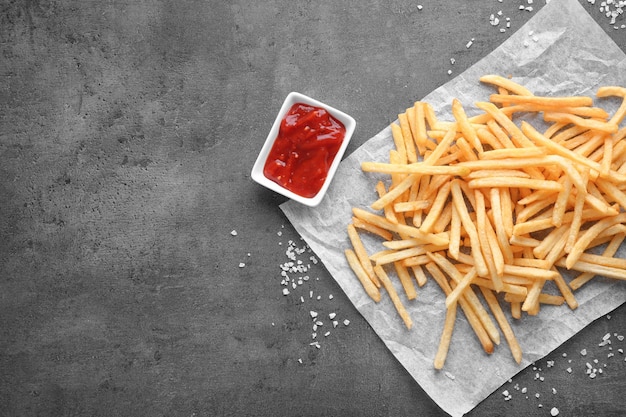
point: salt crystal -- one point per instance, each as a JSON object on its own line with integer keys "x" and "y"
{"x": 449, "y": 375}
{"x": 234, "y": 233}
{"x": 332, "y": 315}
{"x": 346, "y": 322}
{"x": 583, "y": 352}
{"x": 554, "y": 412}
{"x": 285, "y": 291}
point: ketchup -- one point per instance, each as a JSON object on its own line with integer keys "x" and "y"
{"x": 306, "y": 145}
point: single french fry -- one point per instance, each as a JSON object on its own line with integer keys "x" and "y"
{"x": 495, "y": 182}
{"x": 368, "y": 227}
{"x": 455, "y": 233}
{"x": 410, "y": 206}
{"x": 419, "y": 274}
{"x": 567, "y": 294}
{"x": 421, "y": 168}
{"x": 534, "y": 152}
{"x": 506, "y": 83}
{"x": 384, "y": 278}
{"x": 360, "y": 273}
{"x": 507, "y": 331}
{"x": 405, "y": 280}
{"x": 466, "y": 129}
{"x": 446, "y": 336}
{"x": 398, "y": 139}
{"x": 361, "y": 253}
{"x": 571, "y": 101}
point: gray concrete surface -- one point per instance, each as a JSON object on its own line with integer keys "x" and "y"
{"x": 127, "y": 133}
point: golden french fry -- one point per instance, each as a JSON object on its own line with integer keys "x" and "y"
{"x": 446, "y": 336}
{"x": 509, "y": 336}
{"x": 382, "y": 275}
{"x": 506, "y": 83}
{"x": 405, "y": 280}
{"x": 361, "y": 253}
{"x": 367, "y": 283}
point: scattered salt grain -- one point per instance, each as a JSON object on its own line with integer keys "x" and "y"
{"x": 313, "y": 314}
{"x": 449, "y": 375}
{"x": 346, "y": 322}
{"x": 469, "y": 43}
{"x": 326, "y": 334}
{"x": 583, "y": 352}
{"x": 242, "y": 265}
{"x": 332, "y": 315}
{"x": 554, "y": 412}
{"x": 233, "y": 233}
{"x": 285, "y": 291}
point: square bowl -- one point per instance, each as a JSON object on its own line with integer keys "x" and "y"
{"x": 257, "y": 170}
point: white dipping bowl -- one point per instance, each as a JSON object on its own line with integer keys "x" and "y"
{"x": 257, "y": 170}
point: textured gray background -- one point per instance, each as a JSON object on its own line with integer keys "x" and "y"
{"x": 127, "y": 133}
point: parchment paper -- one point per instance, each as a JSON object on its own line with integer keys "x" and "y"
{"x": 561, "y": 50}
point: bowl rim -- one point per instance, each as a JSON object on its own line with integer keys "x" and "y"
{"x": 257, "y": 170}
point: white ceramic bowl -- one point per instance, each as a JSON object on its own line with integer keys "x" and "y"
{"x": 257, "y": 171}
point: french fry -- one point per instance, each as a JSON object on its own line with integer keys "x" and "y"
{"x": 361, "y": 253}
{"x": 446, "y": 336}
{"x": 507, "y": 331}
{"x": 382, "y": 275}
{"x": 367, "y": 283}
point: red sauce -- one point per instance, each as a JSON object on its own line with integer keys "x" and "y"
{"x": 306, "y": 145}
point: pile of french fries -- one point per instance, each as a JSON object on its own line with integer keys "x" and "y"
{"x": 491, "y": 206}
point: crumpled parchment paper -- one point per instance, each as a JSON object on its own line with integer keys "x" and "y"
{"x": 559, "y": 51}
